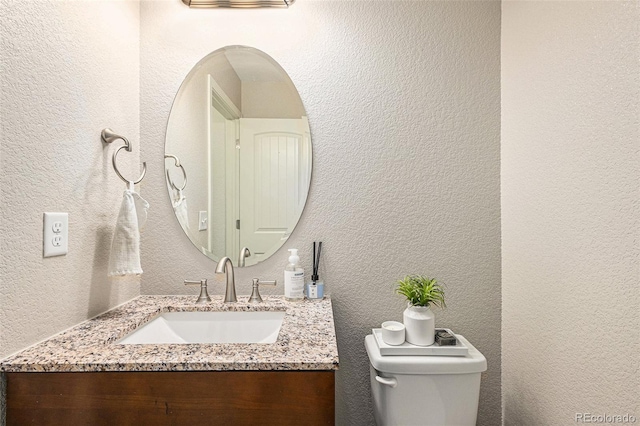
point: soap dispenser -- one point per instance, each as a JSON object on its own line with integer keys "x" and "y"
{"x": 294, "y": 278}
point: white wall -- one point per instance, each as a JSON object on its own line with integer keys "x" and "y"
{"x": 68, "y": 70}
{"x": 570, "y": 209}
{"x": 403, "y": 103}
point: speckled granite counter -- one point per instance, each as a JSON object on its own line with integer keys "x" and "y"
{"x": 306, "y": 341}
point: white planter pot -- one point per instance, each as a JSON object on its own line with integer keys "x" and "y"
{"x": 420, "y": 325}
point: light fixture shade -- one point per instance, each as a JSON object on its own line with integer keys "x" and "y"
{"x": 238, "y": 3}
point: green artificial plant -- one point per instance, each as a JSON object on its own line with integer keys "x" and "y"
{"x": 421, "y": 291}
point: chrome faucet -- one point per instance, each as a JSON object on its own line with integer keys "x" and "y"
{"x": 244, "y": 253}
{"x": 223, "y": 268}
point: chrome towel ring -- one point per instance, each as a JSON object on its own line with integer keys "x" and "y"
{"x": 109, "y": 136}
{"x": 184, "y": 173}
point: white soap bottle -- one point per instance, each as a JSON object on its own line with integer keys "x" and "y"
{"x": 294, "y": 278}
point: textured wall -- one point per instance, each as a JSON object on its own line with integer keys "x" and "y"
{"x": 68, "y": 69}
{"x": 570, "y": 209}
{"x": 403, "y": 99}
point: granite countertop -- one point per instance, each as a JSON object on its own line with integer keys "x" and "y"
{"x": 307, "y": 341}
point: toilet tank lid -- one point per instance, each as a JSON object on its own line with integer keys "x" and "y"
{"x": 474, "y": 362}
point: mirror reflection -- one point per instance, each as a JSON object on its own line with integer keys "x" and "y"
{"x": 238, "y": 155}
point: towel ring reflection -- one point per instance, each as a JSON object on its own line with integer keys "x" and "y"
{"x": 109, "y": 136}
{"x": 184, "y": 173}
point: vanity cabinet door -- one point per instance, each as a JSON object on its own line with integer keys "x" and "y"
{"x": 171, "y": 398}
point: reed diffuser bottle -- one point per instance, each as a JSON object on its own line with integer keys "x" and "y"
{"x": 314, "y": 289}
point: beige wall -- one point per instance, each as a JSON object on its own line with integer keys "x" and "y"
{"x": 270, "y": 99}
{"x": 69, "y": 69}
{"x": 189, "y": 135}
{"x": 403, "y": 104}
{"x": 404, "y": 109}
{"x": 224, "y": 75}
{"x": 570, "y": 209}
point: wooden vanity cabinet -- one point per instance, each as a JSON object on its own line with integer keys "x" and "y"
{"x": 227, "y": 398}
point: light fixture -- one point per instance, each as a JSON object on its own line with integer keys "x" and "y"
{"x": 238, "y": 3}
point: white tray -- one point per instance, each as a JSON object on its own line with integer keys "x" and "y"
{"x": 460, "y": 349}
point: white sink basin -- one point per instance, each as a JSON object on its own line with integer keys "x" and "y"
{"x": 209, "y": 327}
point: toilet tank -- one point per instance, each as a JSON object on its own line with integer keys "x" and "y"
{"x": 425, "y": 390}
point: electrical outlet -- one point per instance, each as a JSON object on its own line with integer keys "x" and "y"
{"x": 57, "y": 227}
{"x": 55, "y": 239}
{"x": 203, "y": 219}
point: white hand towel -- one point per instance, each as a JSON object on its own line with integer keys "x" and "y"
{"x": 180, "y": 208}
{"x": 124, "y": 258}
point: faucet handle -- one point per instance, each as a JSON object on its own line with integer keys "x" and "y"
{"x": 204, "y": 295}
{"x": 255, "y": 292}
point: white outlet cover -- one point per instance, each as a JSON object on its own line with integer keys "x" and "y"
{"x": 203, "y": 219}
{"x": 55, "y": 240}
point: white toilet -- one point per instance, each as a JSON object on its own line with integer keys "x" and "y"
{"x": 425, "y": 390}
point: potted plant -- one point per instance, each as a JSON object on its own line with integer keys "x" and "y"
{"x": 419, "y": 321}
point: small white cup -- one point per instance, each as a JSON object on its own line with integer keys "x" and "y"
{"x": 393, "y": 333}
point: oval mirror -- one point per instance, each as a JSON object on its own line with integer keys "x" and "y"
{"x": 238, "y": 155}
